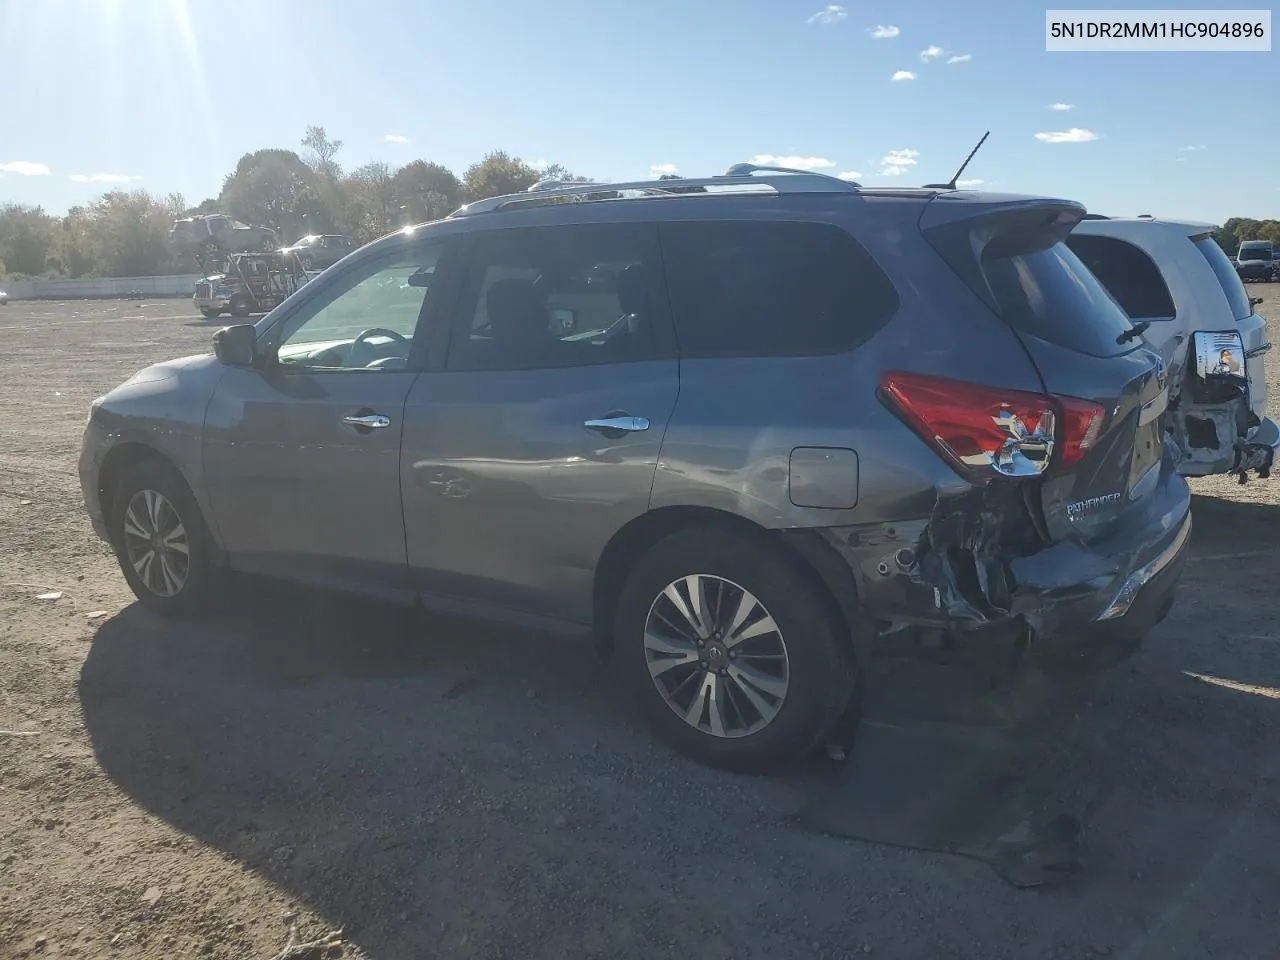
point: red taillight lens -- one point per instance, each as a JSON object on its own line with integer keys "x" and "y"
{"x": 989, "y": 431}
{"x": 1081, "y": 427}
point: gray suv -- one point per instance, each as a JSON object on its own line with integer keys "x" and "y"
{"x": 751, "y": 437}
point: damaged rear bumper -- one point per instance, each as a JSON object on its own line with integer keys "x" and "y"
{"x": 1121, "y": 584}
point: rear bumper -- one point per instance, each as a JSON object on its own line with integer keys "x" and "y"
{"x": 1120, "y": 585}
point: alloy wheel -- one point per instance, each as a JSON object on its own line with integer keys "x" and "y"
{"x": 716, "y": 656}
{"x": 156, "y": 544}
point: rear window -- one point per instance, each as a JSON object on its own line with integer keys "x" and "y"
{"x": 1050, "y": 294}
{"x": 770, "y": 288}
{"x": 1250, "y": 251}
{"x": 1128, "y": 273}
{"x": 1228, "y": 279}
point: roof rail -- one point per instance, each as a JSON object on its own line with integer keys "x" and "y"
{"x": 740, "y": 175}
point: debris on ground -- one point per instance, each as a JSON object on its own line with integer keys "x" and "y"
{"x": 51, "y": 595}
{"x": 312, "y": 949}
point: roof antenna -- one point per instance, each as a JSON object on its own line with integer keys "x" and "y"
{"x": 952, "y": 184}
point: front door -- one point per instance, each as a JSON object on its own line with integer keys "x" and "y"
{"x": 302, "y": 455}
{"x": 539, "y": 438}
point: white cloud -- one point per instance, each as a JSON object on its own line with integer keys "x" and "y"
{"x": 832, "y": 13}
{"x": 102, "y": 178}
{"x": 850, "y": 175}
{"x": 884, "y": 33}
{"x": 540, "y": 165}
{"x": 930, "y": 53}
{"x": 796, "y": 163}
{"x": 1063, "y": 106}
{"x": 659, "y": 169}
{"x": 1191, "y": 149}
{"x": 1074, "y": 135}
{"x": 966, "y": 184}
{"x": 904, "y": 75}
{"x": 25, "y": 168}
{"x": 396, "y": 138}
{"x": 962, "y": 58}
{"x": 1180, "y": 159}
{"x": 896, "y": 162}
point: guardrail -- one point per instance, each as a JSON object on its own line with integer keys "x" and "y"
{"x": 86, "y": 288}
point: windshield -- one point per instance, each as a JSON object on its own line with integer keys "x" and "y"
{"x": 1255, "y": 251}
{"x": 1228, "y": 279}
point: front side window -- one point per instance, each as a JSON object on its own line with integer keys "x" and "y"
{"x": 1128, "y": 274}
{"x": 366, "y": 322}
{"x": 560, "y": 297}
{"x": 772, "y": 288}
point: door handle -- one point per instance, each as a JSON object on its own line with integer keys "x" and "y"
{"x": 618, "y": 424}
{"x": 370, "y": 422}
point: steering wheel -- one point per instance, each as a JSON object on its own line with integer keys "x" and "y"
{"x": 361, "y": 342}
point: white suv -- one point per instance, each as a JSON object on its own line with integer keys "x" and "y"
{"x": 1172, "y": 276}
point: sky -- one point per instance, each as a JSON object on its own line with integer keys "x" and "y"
{"x": 166, "y": 95}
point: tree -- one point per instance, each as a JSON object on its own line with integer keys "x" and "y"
{"x": 497, "y": 174}
{"x": 425, "y": 191}
{"x": 276, "y": 189}
{"x": 322, "y": 151}
{"x": 27, "y": 236}
{"x": 558, "y": 171}
{"x": 131, "y": 231}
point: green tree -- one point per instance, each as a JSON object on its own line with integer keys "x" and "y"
{"x": 322, "y": 150}
{"x": 131, "y": 231}
{"x": 27, "y": 238}
{"x": 275, "y": 188}
{"x": 496, "y": 175}
{"x": 425, "y": 191}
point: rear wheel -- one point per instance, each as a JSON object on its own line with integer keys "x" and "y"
{"x": 737, "y": 658}
{"x": 209, "y": 312}
{"x": 161, "y": 540}
{"x": 240, "y": 306}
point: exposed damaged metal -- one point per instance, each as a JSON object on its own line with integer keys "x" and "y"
{"x": 1215, "y": 429}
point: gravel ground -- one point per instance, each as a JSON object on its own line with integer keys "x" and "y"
{"x": 446, "y": 789}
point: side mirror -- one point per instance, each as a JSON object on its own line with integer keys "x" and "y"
{"x": 235, "y": 345}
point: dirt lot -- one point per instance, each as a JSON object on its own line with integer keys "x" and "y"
{"x": 448, "y": 790}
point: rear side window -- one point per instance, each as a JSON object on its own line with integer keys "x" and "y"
{"x": 1228, "y": 279}
{"x": 1050, "y": 294}
{"x": 1128, "y": 273}
{"x": 768, "y": 289}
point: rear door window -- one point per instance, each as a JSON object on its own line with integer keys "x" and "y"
{"x": 771, "y": 288}
{"x": 1228, "y": 279}
{"x": 1128, "y": 273}
{"x": 1050, "y": 294}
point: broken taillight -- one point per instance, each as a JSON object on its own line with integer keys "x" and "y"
{"x": 989, "y": 431}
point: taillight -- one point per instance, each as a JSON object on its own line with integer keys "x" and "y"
{"x": 989, "y": 431}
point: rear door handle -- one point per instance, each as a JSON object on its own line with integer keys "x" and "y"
{"x": 373, "y": 421}
{"x": 618, "y": 424}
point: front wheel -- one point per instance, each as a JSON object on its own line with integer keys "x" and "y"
{"x": 738, "y": 658}
{"x": 209, "y": 313}
{"x": 161, "y": 540}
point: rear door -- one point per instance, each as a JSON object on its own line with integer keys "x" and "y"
{"x": 1081, "y": 342}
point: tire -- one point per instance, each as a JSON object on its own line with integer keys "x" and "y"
{"x": 240, "y": 305}
{"x": 268, "y": 244}
{"x": 306, "y": 262}
{"x": 172, "y": 583}
{"x": 817, "y": 677}
{"x": 209, "y": 314}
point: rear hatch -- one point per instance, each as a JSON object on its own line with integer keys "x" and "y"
{"x": 1112, "y": 390}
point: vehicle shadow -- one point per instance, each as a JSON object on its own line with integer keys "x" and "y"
{"x": 444, "y": 788}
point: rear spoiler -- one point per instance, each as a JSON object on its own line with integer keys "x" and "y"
{"x": 964, "y": 231}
